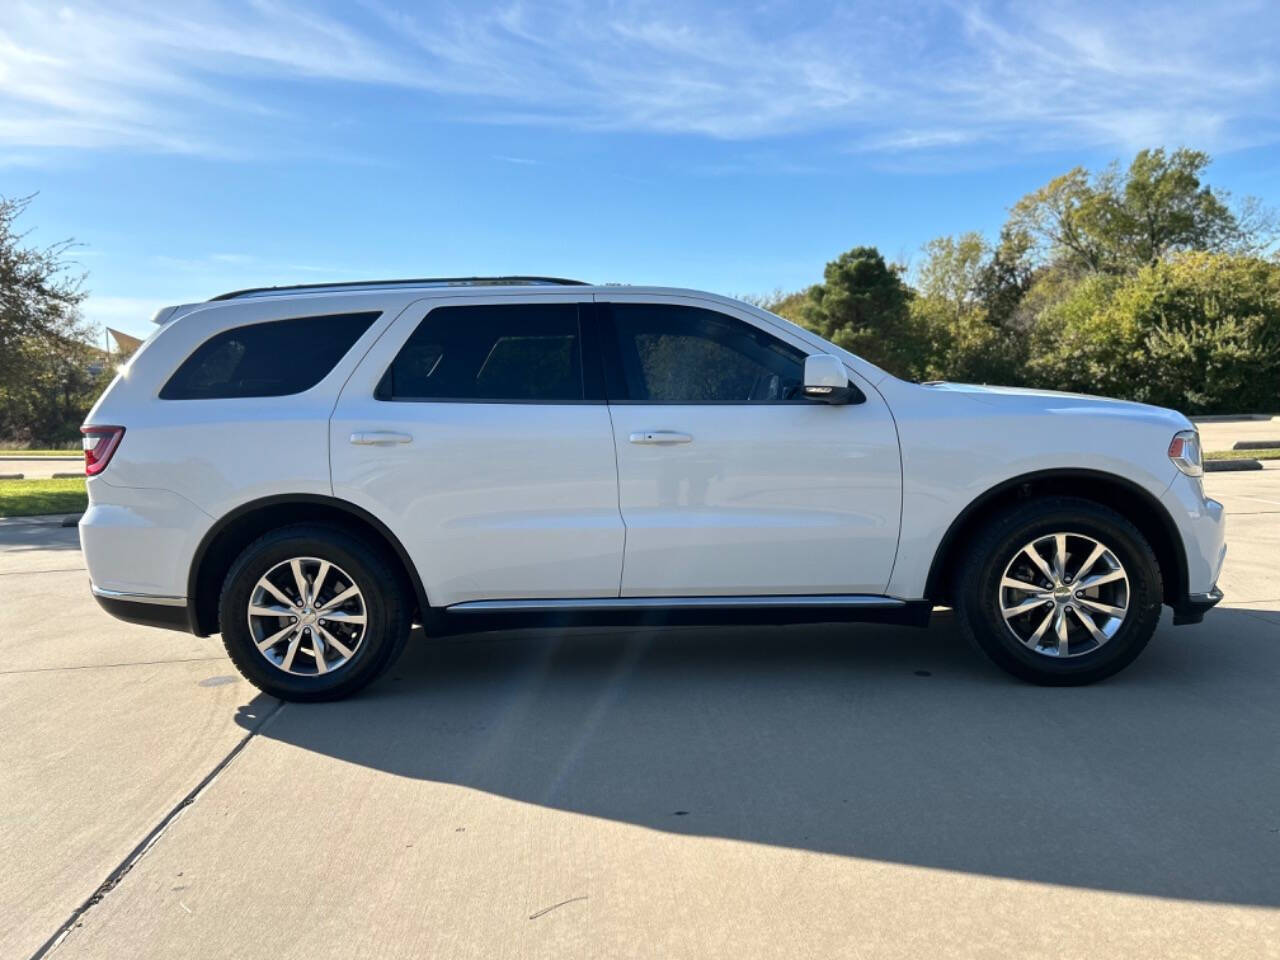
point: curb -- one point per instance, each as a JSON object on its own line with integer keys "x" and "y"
{"x": 1230, "y": 417}
{"x": 1256, "y": 444}
{"x": 11, "y": 476}
{"x": 68, "y": 457}
{"x": 42, "y": 520}
{"x": 1229, "y": 466}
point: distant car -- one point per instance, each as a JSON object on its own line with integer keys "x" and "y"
{"x": 311, "y": 470}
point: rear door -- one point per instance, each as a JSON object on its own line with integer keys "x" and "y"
{"x": 730, "y": 481}
{"x": 477, "y": 430}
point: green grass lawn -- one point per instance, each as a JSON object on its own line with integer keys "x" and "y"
{"x": 1271, "y": 453}
{"x": 36, "y": 454}
{"x": 29, "y": 498}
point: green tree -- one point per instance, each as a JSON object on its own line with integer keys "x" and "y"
{"x": 863, "y": 305}
{"x": 1118, "y": 222}
{"x": 49, "y": 376}
{"x": 1199, "y": 332}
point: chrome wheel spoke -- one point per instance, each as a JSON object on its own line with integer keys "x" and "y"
{"x": 1059, "y": 556}
{"x": 318, "y": 580}
{"x": 1019, "y": 608}
{"x": 275, "y": 638}
{"x": 337, "y": 644}
{"x": 1098, "y": 551}
{"x": 1111, "y": 576}
{"x": 1013, "y": 584}
{"x": 299, "y": 580}
{"x": 1100, "y": 607}
{"x": 1060, "y": 628}
{"x": 342, "y": 616}
{"x": 1031, "y": 551}
{"x": 259, "y": 610}
{"x": 287, "y": 663}
{"x": 341, "y": 598}
{"x": 1033, "y": 641}
{"x": 317, "y": 651}
{"x": 276, "y": 592}
{"x": 1090, "y": 625}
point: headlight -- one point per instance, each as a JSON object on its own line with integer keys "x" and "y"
{"x": 1184, "y": 451}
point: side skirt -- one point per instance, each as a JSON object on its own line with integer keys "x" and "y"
{"x": 480, "y": 615}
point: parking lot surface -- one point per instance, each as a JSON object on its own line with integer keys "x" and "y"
{"x": 802, "y": 791}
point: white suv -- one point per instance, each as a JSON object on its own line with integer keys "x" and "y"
{"x": 311, "y": 470}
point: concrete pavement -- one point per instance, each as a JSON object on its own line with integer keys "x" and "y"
{"x": 797, "y": 792}
{"x": 41, "y": 468}
{"x": 1223, "y": 434}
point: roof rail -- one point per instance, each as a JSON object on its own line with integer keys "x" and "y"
{"x": 417, "y": 282}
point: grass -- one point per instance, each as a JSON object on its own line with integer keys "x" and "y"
{"x": 30, "y": 498}
{"x": 1271, "y": 453}
{"x": 36, "y": 454}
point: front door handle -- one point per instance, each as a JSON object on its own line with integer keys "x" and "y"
{"x": 379, "y": 438}
{"x": 660, "y": 437}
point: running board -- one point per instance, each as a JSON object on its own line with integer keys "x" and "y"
{"x": 655, "y": 611}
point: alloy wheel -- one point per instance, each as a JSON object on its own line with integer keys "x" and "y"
{"x": 1064, "y": 595}
{"x": 307, "y": 617}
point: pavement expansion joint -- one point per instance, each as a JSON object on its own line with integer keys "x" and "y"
{"x": 150, "y": 840}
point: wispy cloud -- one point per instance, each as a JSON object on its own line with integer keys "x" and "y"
{"x": 888, "y": 77}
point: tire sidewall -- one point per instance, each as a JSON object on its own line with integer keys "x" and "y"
{"x": 980, "y": 592}
{"x": 362, "y": 565}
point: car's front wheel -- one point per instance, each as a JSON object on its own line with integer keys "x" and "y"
{"x": 312, "y": 612}
{"x": 1060, "y": 591}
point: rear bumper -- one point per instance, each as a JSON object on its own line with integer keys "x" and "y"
{"x": 139, "y": 542}
{"x": 169, "y": 613}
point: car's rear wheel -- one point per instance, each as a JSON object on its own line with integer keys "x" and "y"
{"x": 1060, "y": 591}
{"x": 312, "y": 612}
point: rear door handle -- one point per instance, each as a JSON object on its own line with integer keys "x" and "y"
{"x": 660, "y": 437}
{"x": 379, "y": 438}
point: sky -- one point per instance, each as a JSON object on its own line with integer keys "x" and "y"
{"x": 192, "y": 149}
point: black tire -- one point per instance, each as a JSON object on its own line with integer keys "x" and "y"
{"x": 978, "y": 590}
{"x": 383, "y": 587}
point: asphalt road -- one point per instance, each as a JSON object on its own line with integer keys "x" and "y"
{"x": 795, "y": 792}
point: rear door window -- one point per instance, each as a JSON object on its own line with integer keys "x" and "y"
{"x": 513, "y": 353}
{"x": 272, "y": 359}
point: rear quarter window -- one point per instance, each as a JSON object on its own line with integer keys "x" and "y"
{"x": 272, "y": 359}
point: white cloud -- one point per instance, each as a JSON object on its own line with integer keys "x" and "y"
{"x": 888, "y": 77}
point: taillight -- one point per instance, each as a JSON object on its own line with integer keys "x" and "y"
{"x": 99, "y": 444}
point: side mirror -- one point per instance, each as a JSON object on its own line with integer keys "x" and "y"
{"x": 826, "y": 380}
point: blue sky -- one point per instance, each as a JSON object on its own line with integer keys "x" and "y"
{"x": 196, "y": 148}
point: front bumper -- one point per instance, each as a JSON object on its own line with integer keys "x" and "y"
{"x": 1201, "y": 524}
{"x": 1193, "y": 607}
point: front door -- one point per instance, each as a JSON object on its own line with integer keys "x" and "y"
{"x": 730, "y": 481}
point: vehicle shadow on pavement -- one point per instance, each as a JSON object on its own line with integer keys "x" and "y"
{"x": 876, "y": 742}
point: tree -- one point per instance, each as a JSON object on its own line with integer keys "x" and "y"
{"x": 862, "y": 305}
{"x": 46, "y": 378}
{"x": 1120, "y": 222}
{"x": 1199, "y": 332}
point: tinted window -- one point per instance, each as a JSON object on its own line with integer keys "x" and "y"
{"x": 516, "y": 352}
{"x": 674, "y": 354}
{"x": 267, "y": 359}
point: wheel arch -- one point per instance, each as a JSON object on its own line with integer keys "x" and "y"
{"x": 1138, "y": 506}
{"x": 227, "y": 538}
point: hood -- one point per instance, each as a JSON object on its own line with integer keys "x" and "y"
{"x": 1056, "y": 401}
